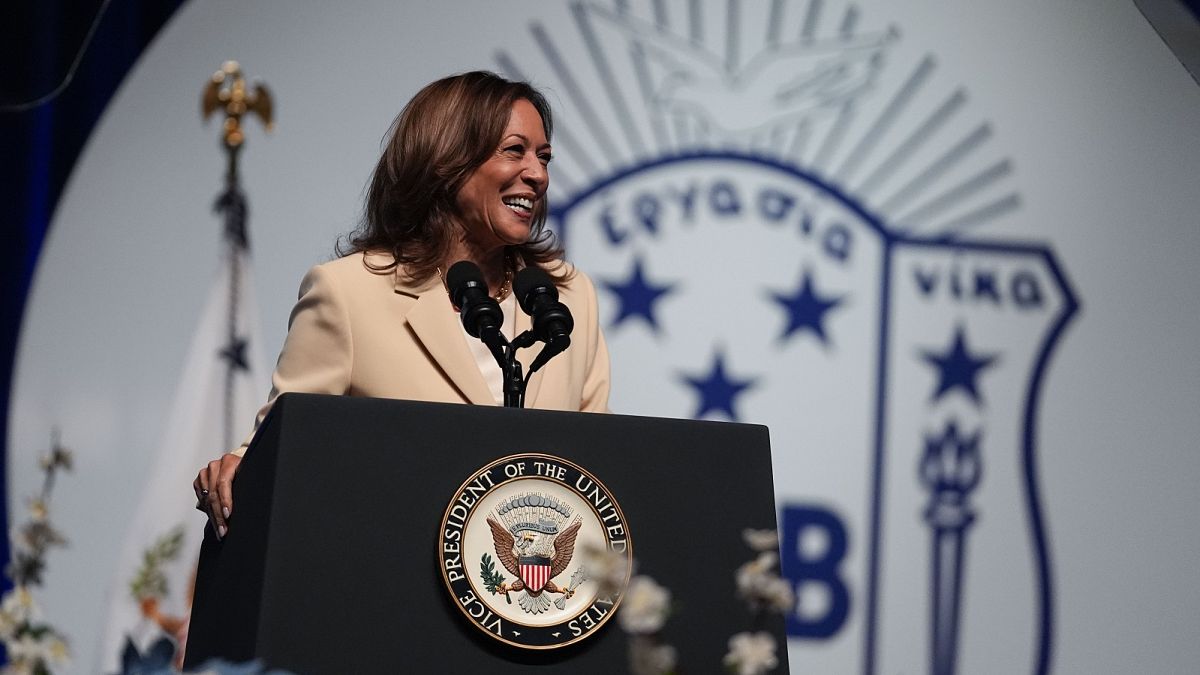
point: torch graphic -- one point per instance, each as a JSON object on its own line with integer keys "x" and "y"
{"x": 950, "y": 469}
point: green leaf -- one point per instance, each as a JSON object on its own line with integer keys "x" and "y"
{"x": 150, "y": 581}
{"x": 487, "y": 572}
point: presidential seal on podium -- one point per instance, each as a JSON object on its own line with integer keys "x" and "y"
{"x": 535, "y": 551}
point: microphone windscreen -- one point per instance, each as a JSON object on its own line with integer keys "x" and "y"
{"x": 462, "y": 275}
{"x": 531, "y": 281}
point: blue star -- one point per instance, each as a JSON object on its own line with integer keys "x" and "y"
{"x": 717, "y": 390}
{"x": 805, "y": 309}
{"x": 637, "y": 296}
{"x": 235, "y": 354}
{"x": 958, "y": 367}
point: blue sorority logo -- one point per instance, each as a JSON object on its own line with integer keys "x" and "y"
{"x": 789, "y": 233}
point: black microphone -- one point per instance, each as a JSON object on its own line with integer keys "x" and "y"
{"x": 552, "y": 322}
{"x": 480, "y": 313}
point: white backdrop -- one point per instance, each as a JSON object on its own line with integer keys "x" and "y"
{"x": 1091, "y": 130}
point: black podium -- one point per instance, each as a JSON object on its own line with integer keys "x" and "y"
{"x": 330, "y": 564}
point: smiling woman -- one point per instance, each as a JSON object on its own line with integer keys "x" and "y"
{"x": 495, "y": 206}
{"x": 463, "y": 177}
{"x": 462, "y": 146}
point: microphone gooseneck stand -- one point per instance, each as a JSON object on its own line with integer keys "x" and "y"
{"x": 514, "y": 382}
{"x": 482, "y": 318}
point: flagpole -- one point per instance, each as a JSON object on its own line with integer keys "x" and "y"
{"x": 149, "y": 592}
{"x": 226, "y": 91}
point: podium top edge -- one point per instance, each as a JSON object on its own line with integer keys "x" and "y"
{"x": 346, "y": 400}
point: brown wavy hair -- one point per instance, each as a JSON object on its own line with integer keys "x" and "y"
{"x": 447, "y": 131}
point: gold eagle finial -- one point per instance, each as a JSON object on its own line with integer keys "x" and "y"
{"x": 226, "y": 89}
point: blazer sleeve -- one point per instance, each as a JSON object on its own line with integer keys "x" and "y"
{"x": 597, "y": 380}
{"x": 318, "y": 354}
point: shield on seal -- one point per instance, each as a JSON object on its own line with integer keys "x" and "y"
{"x": 535, "y": 572}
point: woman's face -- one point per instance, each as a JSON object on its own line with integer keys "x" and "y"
{"x": 497, "y": 203}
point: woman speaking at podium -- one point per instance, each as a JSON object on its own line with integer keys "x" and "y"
{"x": 463, "y": 177}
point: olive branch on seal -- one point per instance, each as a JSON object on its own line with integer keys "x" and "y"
{"x": 491, "y": 578}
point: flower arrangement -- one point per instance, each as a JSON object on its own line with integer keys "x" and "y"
{"x": 647, "y": 605}
{"x": 643, "y": 615}
{"x": 758, "y": 583}
{"x": 33, "y": 645}
{"x": 644, "y": 611}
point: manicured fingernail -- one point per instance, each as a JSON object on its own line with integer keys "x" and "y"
{"x": 225, "y": 510}
{"x": 221, "y": 530}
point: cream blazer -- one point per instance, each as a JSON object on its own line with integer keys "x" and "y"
{"x": 362, "y": 333}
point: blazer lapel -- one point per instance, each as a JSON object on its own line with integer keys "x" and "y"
{"x": 436, "y": 326}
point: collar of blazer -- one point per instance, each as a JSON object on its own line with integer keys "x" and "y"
{"x": 436, "y": 325}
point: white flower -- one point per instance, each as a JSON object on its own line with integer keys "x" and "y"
{"x": 646, "y": 657}
{"x": 8, "y": 627}
{"x": 758, "y": 584}
{"x": 751, "y": 654}
{"x": 761, "y": 540}
{"x": 56, "y": 650}
{"x": 17, "y": 606}
{"x": 607, "y": 568}
{"x": 757, "y": 568}
{"x": 644, "y": 609}
{"x": 29, "y": 649}
{"x": 777, "y": 594}
{"x": 9, "y": 622}
{"x": 24, "y": 649}
{"x": 38, "y": 511}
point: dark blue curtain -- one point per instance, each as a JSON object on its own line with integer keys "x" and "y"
{"x": 39, "y": 40}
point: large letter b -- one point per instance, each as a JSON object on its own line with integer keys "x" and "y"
{"x": 822, "y": 600}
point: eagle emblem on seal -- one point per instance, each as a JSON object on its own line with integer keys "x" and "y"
{"x": 534, "y": 538}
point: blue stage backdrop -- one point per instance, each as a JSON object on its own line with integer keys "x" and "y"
{"x": 944, "y": 251}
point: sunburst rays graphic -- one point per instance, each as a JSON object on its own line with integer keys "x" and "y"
{"x": 802, "y": 84}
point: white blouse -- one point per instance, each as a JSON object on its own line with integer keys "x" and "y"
{"x": 483, "y": 357}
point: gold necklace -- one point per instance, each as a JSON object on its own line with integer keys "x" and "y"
{"x": 505, "y": 287}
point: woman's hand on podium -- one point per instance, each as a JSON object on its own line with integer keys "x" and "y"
{"x": 214, "y": 491}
